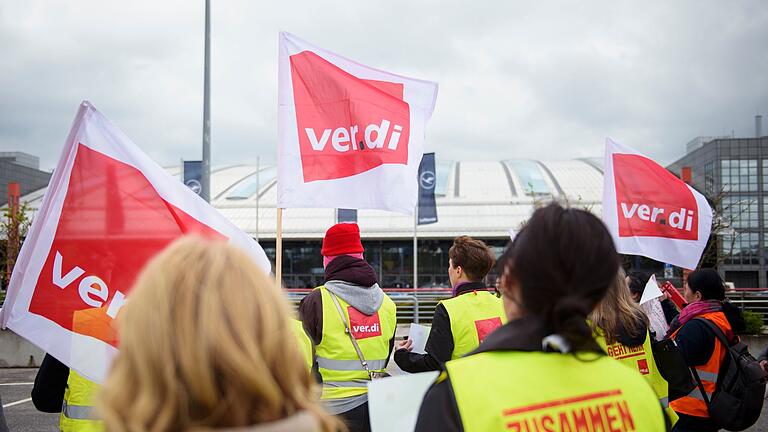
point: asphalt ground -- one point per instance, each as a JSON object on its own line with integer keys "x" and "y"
{"x": 21, "y": 416}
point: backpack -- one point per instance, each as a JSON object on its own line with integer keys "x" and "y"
{"x": 740, "y": 388}
{"x": 673, "y": 368}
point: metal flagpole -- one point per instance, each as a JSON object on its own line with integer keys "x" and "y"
{"x": 258, "y": 189}
{"x": 279, "y": 249}
{"x": 415, "y": 248}
{"x": 206, "y": 175}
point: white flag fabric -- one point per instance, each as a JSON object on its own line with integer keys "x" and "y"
{"x": 651, "y": 212}
{"x": 350, "y": 136}
{"x": 107, "y": 211}
{"x": 651, "y": 291}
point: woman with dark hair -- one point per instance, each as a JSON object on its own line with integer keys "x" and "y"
{"x": 704, "y": 291}
{"x": 543, "y": 370}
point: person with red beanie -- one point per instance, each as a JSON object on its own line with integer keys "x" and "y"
{"x": 352, "y": 324}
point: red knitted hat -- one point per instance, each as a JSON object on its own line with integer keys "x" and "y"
{"x": 340, "y": 239}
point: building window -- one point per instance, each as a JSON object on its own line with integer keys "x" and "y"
{"x": 765, "y": 175}
{"x": 739, "y": 175}
{"x": 740, "y": 248}
{"x": 709, "y": 179}
{"x": 740, "y": 212}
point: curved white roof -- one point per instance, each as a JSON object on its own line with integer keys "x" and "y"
{"x": 477, "y": 198}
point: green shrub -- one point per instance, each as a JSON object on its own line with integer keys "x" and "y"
{"x": 754, "y": 323}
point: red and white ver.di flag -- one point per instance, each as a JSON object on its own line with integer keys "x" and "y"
{"x": 107, "y": 211}
{"x": 651, "y": 212}
{"x": 350, "y": 136}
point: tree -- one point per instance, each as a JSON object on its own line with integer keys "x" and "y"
{"x": 14, "y": 226}
{"x": 724, "y": 219}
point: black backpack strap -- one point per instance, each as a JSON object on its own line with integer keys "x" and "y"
{"x": 700, "y": 385}
{"x": 716, "y": 330}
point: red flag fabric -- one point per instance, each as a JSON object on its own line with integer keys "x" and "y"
{"x": 651, "y": 212}
{"x": 346, "y": 127}
{"x": 107, "y": 211}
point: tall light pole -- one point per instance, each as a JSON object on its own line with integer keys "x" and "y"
{"x": 206, "y": 174}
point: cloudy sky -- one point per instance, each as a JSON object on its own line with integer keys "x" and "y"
{"x": 517, "y": 79}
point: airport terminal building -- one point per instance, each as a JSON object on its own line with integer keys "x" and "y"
{"x": 481, "y": 199}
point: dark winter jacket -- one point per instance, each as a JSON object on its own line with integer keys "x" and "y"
{"x": 355, "y": 282}
{"x": 50, "y": 384}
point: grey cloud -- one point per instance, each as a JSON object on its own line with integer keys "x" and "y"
{"x": 517, "y": 79}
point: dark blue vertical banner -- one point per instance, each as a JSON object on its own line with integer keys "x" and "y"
{"x": 193, "y": 173}
{"x": 346, "y": 215}
{"x": 427, "y": 182}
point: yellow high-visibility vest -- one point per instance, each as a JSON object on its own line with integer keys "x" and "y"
{"x": 537, "y": 391}
{"x": 640, "y": 359}
{"x": 337, "y": 360}
{"x": 305, "y": 344}
{"x": 473, "y": 316}
{"x": 77, "y": 411}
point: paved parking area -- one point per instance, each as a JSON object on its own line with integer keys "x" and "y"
{"x": 20, "y": 414}
{"x": 16, "y": 385}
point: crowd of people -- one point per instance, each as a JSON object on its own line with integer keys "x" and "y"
{"x": 207, "y": 341}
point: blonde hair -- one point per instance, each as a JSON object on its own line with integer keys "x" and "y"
{"x": 617, "y": 310}
{"x": 206, "y": 342}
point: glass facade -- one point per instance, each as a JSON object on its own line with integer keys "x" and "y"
{"x": 391, "y": 259}
{"x": 531, "y": 177}
{"x": 709, "y": 179}
{"x": 247, "y": 187}
{"x": 734, "y": 173}
{"x": 739, "y": 175}
{"x": 741, "y": 248}
{"x": 741, "y": 212}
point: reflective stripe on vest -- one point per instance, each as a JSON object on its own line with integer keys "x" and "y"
{"x": 562, "y": 392}
{"x": 337, "y": 359}
{"x": 473, "y": 315}
{"x": 77, "y": 410}
{"x": 347, "y": 384}
{"x": 694, "y": 404}
{"x": 350, "y": 365}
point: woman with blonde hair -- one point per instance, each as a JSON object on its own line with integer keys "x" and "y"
{"x": 621, "y": 328}
{"x": 206, "y": 343}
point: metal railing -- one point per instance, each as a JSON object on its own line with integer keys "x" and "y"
{"x": 413, "y": 305}
{"x": 418, "y": 305}
{"x": 751, "y": 299}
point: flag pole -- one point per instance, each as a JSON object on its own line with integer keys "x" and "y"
{"x": 258, "y": 189}
{"x": 415, "y": 248}
{"x": 279, "y": 249}
{"x": 206, "y": 175}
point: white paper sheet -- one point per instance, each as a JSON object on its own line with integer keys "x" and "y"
{"x": 655, "y": 314}
{"x": 393, "y": 403}
{"x": 651, "y": 290}
{"x": 418, "y": 334}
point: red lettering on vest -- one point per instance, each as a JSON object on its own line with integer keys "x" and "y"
{"x": 486, "y": 326}
{"x": 346, "y": 125}
{"x": 603, "y": 411}
{"x": 580, "y": 423}
{"x": 363, "y": 326}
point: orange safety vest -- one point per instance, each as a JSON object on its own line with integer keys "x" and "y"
{"x": 693, "y": 404}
